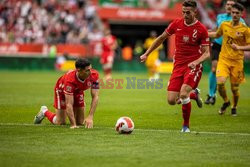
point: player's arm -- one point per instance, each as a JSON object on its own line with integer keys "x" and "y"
{"x": 69, "y": 99}
{"x": 205, "y": 55}
{"x": 213, "y": 34}
{"x": 243, "y": 48}
{"x": 114, "y": 45}
{"x": 216, "y": 34}
{"x": 95, "y": 97}
{"x": 159, "y": 40}
{"x": 247, "y": 39}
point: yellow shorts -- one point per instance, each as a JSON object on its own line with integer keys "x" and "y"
{"x": 151, "y": 60}
{"x": 231, "y": 68}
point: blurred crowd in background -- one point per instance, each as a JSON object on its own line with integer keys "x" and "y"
{"x": 48, "y": 21}
{"x": 74, "y": 21}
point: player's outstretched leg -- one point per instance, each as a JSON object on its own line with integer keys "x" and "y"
{"x": 195, "y": 95}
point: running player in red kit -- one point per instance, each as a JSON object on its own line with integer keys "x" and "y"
{"x": 69, "y": 97}
{"x": 109, "y": 45}
{"x": 192, "y": 48}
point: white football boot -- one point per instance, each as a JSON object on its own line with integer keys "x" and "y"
{"x": 40, "y": 115}
{"x": 185, "y": 129}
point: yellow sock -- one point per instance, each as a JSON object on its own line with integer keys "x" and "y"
{"x": 236, "y": 94}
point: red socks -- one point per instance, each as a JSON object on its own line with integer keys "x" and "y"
{"x": 50, "y": 116}
{"x": 186, "y": 111}
{"x": 107, "y": 71}
{"x": 193, "y": 95}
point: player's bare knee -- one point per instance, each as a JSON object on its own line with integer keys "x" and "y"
{"x": 60, "y": 122}
{"x": 79, "y": 123}
{"x": 183, "y": 96}
{"x": 171, "y": 101}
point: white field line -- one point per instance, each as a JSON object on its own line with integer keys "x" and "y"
{"x": 147, "y": 130}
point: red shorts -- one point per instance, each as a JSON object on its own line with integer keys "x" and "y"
{"x": 107, "y": 57}
{"x": 184, "y": 75}
{"x": 59, "y": 99}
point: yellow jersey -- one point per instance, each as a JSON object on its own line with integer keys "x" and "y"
{"x": 239, "y": 35}
{"x": 149, "y": 41}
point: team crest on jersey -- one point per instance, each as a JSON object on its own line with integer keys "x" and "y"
{"x": 185, "y": 38}
{"x": 68, "y": 88}
{"x": 238, "y": 34}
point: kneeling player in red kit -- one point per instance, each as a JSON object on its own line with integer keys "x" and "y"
{"x": 69, "y": 97}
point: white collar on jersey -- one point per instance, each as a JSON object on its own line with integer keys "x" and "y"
{"x": 190, "y": 24}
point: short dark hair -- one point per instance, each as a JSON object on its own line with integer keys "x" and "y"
{"x": 82, "y": 63}
{"x": 190, "y": 3}
{"x": 238, "y": 6}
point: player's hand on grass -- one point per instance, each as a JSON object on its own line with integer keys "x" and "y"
{"x": 143, "y": 57}
{"x": 74, "y": 127}
{"x": 88, "y": 122}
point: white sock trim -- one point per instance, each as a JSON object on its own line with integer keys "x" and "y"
{"x": 44, "y": 111}
{"x": 185, "y": 101}
{"x": 54, "y": 120}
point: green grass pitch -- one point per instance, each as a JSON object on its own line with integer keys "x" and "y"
{"x": 156, "y": 141}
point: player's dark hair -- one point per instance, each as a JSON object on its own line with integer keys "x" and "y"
{"x": 232, "y": 0}
{"x": 190, "y": 3}
{"x": 82, "y": 63}
{"x": 238, "y": 6}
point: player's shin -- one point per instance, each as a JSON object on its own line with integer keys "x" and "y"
{"x": 186, "y": 111}
{"x": 222, "y": 91}
{"x": 236, "y": 94}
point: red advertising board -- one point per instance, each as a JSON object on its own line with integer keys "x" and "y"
{"x": 31, "y": 49}
{"x": 139, "y": 14}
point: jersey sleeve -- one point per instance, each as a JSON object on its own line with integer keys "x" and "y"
{"x": 95, "y": 81}
{"x": 204, "y": 37}
{"x": 247, "y": 36}
{"x": 171, "y": 29}
{"x": 220, "y": 30}
{"x": 68, "y": 88}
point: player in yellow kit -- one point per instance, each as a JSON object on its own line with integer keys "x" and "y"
{"x": 236, "y": 39}
{"x": 152, "y": 61}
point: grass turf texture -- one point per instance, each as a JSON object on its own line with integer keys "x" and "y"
{"x": 156, "y": 141}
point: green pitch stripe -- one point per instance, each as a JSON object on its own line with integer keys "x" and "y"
{"x": 137, "y": 130}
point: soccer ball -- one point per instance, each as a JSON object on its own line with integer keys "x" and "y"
{"x": 124, "y": 125}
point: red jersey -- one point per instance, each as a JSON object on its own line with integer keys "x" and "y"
{"x": 188, "y": 40}
{"x": 70, "y": 84}
{"x": 107, "y": 43}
